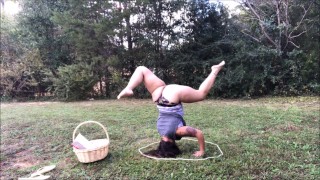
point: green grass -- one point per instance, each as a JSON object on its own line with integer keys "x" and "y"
{"x": 268, "y": 138}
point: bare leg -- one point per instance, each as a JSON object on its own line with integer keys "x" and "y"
{"x": 150, "y": 80}
{"x": 180, "y": 93}
{"x": 209, "y": 81}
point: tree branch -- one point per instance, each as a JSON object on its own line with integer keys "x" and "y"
{"x": 261, "y": 25}
{"x": 277, "y": 4}
{"x": 300, "y": 22}
{"x": 294, "y": 44}
{"x": 298, "y": 35}
{"x": 256, "y": 39}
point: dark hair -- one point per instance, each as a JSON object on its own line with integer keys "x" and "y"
{"x": 166, "y": 149}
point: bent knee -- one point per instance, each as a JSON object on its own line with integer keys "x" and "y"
{"x": 142, "y": 68}
{"x": 202, "y": 95}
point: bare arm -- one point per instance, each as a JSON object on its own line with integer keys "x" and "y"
{"x": 193, "y": 132}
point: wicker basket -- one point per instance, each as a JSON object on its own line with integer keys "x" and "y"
{"x": 92, "y": 155}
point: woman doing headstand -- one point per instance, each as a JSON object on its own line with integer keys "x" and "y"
{"x": 170, "y": 123}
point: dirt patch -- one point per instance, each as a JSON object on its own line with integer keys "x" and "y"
{"x": 284, "y": 128}
{"x": 16, "y": 156}
{"x": 290, "y": 127}
{"x": 25, "y": 159}
{"x": 16, "y": 153}
{"x": 311, "y": 103}
{"x": 5, "y": 105}
{"x": 20, "y": 161}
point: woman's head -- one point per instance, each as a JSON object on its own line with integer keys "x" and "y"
{"x": 166, "y": 149}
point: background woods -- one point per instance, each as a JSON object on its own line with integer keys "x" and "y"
{"x": 79, "y": 49}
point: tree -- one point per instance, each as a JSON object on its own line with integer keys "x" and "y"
{"x": 90, "y": 27}
{"x": 75, "y": 82}
{"x": 205, "y": 26}
{"x": 21, "y": 65}
{"x": 271, "y": 56}
{"x": 277, "y": 23}
{"x": 45, "y": 35}
{"x": 275, "y": 51}
{"x": 152, "y": 32}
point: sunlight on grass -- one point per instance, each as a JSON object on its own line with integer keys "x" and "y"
{"x": 269, "y": 138}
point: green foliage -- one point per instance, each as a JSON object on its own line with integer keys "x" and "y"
{"x": 204, "y": 44}
{"x": 91, "y": 36}
{"x": 21, "y": 70}
{"x": 35, "y": 23}
{"x": 259, "y": 66}
{"x": 74, "y": 82}
{"x": 272, "y": 52}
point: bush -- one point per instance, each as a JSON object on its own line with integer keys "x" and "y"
{"x": 74, "y": 82}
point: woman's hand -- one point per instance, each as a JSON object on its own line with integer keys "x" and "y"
{"x": 198, "y": 153}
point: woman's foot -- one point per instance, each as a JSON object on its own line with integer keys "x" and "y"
{"x": 216, "y": 68}
{"x": 125, "y": 92}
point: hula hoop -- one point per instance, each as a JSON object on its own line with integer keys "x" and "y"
{"x": 181, "y": 159}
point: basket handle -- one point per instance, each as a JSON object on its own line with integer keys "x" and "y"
{"x": 88, "y": 122}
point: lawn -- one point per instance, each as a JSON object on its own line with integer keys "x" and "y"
{"x": 267, "y": 138}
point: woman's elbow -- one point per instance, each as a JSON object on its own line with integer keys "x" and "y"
{"x": 199, "y": 133}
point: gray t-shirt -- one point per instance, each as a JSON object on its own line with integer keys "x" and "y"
{"x": 169, "y": 120}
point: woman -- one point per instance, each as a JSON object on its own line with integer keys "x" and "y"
{"x": 170, "y": 124}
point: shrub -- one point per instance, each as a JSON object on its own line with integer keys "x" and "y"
{"x": 74, "y": 82}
